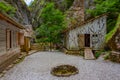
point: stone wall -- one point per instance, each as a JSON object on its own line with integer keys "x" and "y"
{"x": 92, "y": 27}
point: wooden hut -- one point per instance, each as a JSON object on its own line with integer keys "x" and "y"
{"x": 86, "y": 34}
{"x": 11, "y": 38}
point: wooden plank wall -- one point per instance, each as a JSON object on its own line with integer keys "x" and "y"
{"x": 2, "y": 40}
{"x": 14, "y": 30}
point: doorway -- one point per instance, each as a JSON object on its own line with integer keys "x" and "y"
{"x": 87, "y": 40}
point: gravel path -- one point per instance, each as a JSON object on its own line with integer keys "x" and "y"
{"x": 38, "y": 66}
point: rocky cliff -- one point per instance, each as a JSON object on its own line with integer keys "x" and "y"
{"x": 77, "y": 12}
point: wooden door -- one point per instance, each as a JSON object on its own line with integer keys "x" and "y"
{"x": 27, "y": 44}
{"x": 87, "y": 40}
{"x": 81, "y": 41}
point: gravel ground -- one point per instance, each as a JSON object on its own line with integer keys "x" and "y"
{"x": 38, "y": 66}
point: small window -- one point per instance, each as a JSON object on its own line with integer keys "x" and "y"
{"x": 94, "y": 35}
{"x": 94, "y": 38}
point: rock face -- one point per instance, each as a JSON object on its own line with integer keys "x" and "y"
{"x": 77, "y": 12}
{"x": 36, "y": 9}
{"x": 22, "y": 14}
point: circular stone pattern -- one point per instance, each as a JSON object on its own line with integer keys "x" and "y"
{"x": 64, "y": 71}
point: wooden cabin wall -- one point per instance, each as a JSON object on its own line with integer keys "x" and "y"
{"x": 8, "y": 52}
{"x": 2, "y": 40}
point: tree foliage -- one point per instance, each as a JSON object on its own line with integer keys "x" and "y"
{"x": 69, "y": 3}
{"x": 52, "y": 24}
{"x": 7, "y": 8}
{"x": 107, "y": 6}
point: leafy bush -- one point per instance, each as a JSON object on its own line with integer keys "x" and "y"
{"x": 98, "y": 53}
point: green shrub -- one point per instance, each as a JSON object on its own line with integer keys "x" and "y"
{"x": 107, "y": 56}
{"x": 98, "y": 53}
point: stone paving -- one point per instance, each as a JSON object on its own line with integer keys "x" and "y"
{"x": 38, "y": 66}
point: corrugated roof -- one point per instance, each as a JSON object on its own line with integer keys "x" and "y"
{"x": 10, "y": 20}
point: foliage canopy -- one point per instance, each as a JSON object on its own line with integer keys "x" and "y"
{"x": 52, "y": 24}
{"x": 69, "y": 3}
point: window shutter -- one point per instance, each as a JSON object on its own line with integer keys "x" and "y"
{"x": 81, "y": 41}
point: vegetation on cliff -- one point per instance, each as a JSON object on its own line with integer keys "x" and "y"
{"x": 16, "y": 9}
{"x": 7, "y": 8}
{"x": 107, "y": 6}
{"x": 113, "y": 31}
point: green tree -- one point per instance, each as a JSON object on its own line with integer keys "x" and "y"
{"x": 107, "y": 6}
{"x": 52, "y": 24}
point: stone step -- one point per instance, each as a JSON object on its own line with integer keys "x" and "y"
{"x": 88, "y": 54}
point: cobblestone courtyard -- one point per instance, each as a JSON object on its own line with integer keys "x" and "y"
{"x": 38, "y": 67}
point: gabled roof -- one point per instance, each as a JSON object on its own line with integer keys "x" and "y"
{"x": 10, "y": 20}
{"x": 83, "y": 23}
